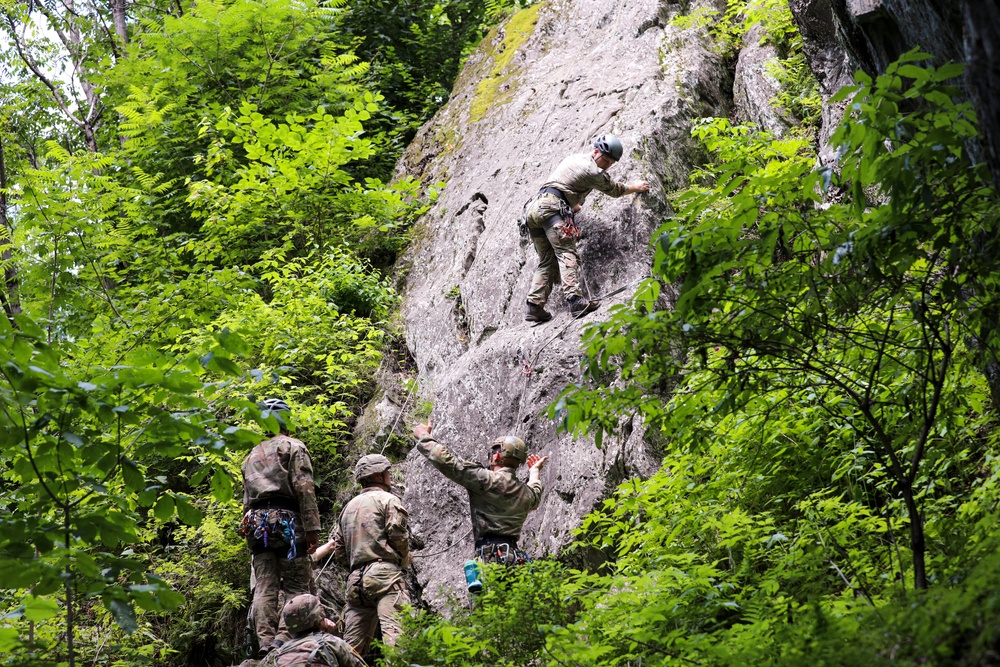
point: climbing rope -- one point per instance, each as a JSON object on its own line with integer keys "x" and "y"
{"x": 447, "y": 548}
{"x": 528, "y": 365}
{"x": 388, "y": 437}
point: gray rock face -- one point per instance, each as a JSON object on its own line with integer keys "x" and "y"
{"x": 582, "y": 68}
{"x": 841, "y": 36}
{"x": 754, "y": 87}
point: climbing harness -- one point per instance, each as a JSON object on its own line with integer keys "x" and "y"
{"x": 522, "y": 220}
{"x": 569, "y": 226}
{"x": 271, "y": 528}
{"x": 503, "y": 554}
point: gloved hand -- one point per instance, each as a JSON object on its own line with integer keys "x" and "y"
{"x": 312, "y": 541}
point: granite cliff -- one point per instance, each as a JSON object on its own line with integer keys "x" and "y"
{"x": 543, "y": 85}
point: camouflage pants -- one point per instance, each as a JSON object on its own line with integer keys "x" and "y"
{"x": 275, "y": 574}
{"x": 557, "y": 257}
{"x": 376, "y": 594}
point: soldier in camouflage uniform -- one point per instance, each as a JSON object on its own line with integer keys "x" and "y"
{"x": 280, "y": 523}
{"x": 500, "y": 502}
{"x": 550, "y": 223}
{"x": 313, "y": 642}
{"x": 372, "y": 540}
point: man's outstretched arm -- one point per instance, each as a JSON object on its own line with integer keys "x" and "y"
{"x": 468, "y": 474}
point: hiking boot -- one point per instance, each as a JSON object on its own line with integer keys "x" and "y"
{"x": 535, "y": 313}
{"x": 578, "y": 306}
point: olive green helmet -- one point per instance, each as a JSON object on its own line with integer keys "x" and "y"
{"x": 610, "y": 146}
{"x": 512, "y": 447}
{"x": 372, "y": 464}
{"x": 302, "y": 613}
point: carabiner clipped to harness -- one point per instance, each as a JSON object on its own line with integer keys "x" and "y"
{"x": 260, "y": 532}
{"x": 569, "y": 226}
{"x": 293, "y": 552}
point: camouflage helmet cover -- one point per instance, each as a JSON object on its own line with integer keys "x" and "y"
{"x": 302, "y": 612}
{"x": 372, "y": 464}
{"x": 512, "y": 447}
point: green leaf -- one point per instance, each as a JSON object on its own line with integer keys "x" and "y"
{"x": 133, "y": 477}
{"x": 164, "y": 508}
{"x": 187, "y": 512}
{"x": 9, "y": 639}
{"x": 124, "y": 615}
{"x": 222, "y": 485}
{"x": 39, "y": 608}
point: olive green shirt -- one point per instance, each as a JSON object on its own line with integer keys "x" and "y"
{"x": 577, "y": 175}
{"x": 281, "y": 468}
{"x": 372, "y": 527}
{"x": 499, "y": 501}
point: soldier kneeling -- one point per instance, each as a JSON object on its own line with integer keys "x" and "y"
{"x": 312, "y": 643}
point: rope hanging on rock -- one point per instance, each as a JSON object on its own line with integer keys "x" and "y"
{"x": 528, "y": 365}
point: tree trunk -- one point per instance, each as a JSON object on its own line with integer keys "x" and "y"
{"x": 121, "y": 29}
{"x": 8, "y": 295}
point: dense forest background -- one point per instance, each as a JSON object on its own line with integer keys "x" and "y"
{"x": 198, "y": 211}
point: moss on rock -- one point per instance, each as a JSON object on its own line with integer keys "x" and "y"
{"x": 494, "y": 90}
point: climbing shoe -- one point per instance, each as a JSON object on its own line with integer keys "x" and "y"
{"x": 535, "y": 313}
{"x": 578, "y": 306}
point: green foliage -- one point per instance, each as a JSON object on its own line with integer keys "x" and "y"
{"x": 222, "y": 238}
{"x": 416, "y": 48}
{"x": 828, "y": 434}
{"x": 79, "y": 453}
{"x": 506, "y": 627}
{"x": 799, "y": 90}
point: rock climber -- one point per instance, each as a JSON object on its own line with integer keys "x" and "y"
{"x": 372, "y": 540}
{"x": 499, "y": 501}
{"x": 549, "y": 217}
{"x": 313, "y": 641}
{"x": 280, "y": 523}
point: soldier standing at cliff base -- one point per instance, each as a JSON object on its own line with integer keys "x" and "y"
{"x": 553, "y": 231}
{"x": 499, "y": 501}
{"x": 371, "y": 539}
{"x": 280, "y": 523}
